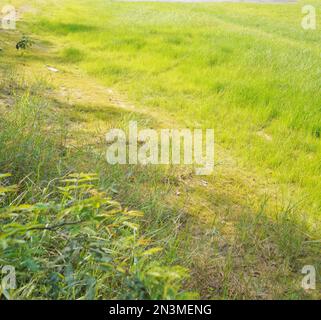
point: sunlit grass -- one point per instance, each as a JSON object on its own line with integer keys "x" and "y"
{"x": 249, "y": 71}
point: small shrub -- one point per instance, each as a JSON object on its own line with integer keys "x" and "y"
{"x": 24, "y": 43}
{"x": 80, "y": 244}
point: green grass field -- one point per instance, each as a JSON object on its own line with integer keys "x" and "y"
{"x": 249, "y": 71}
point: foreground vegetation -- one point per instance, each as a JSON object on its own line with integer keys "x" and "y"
{"x": 248, "y": 71}
{"x": 81, "y": 245}
{"x": 62, "y": 231}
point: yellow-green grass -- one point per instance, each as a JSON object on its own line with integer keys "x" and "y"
{"x": 250, "y": 72}
{"x": 247, "y": 70}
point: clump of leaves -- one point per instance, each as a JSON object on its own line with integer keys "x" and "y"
{"x": 24, "y": 43}
{"x": 78, "y": 243}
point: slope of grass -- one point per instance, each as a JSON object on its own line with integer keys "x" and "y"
{"x": 249, "y": 71}
{"x": 246, "y": 70}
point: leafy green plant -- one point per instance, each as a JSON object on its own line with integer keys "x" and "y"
{"x": 24, "y": 43}
{"x": 80, "y": 244}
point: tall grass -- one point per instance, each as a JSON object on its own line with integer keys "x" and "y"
{"x": 31, "y": 139}
{"x": 64, "y": 234}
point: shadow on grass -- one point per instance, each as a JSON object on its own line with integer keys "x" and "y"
{"x": 62, "y": 29}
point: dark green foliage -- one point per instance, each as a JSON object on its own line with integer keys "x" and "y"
{"x": 24, "y": 43}
{"x": 79, "y": 244}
